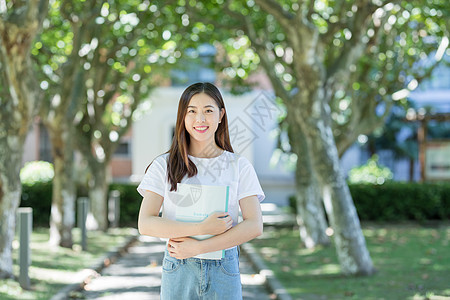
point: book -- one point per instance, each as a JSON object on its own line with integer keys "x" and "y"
{"x": 194, "y": 203}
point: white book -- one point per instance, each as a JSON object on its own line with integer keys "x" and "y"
{"x": 194, "y": 203}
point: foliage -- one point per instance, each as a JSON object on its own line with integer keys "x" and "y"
{"x": 396, "y": 201}
{"x": 373, "y": 52}
{"x": 396, "y": 135}
{"x": 412, "y": 262}
{"x": 98, "y": 61}
{"x": 38, "y": 196}
{"x": 36, "y": 172}
{"x": 370, "y": 172}
{"x": 105, "y": 57}
{"x": 130, "y": 202}
{"x": 419, "y": 201}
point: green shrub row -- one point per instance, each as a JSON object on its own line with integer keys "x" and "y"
{"x": 130, "y": 202}
{"x": 39, "y": 197}
{"x": 399, "y": 201}
{"x": 393, "y": 201}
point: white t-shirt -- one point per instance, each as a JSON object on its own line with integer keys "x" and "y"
{"x": 228, "y": 169}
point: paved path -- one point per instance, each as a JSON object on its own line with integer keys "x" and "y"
{"x": 137, "y": 276}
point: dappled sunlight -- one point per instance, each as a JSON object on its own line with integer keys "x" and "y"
{"x": 58, "y": 276}
{"x": 53, "y": 267}
{"x": 410, "y": 260}
{"x": 324, "y": 270}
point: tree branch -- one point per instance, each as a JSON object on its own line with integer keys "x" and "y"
{"x": 267, "y": 64}
{"x": 310, "y": 10}
{"x": 353, "y": 48}
{"x": 285, "y": 18}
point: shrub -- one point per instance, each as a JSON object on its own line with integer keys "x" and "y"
{"x": 396, "y": 201}
{"x": 130, "y": 202}
{"x": 399, "y": 201}
{"x": 39, "y": 197}
{"x": 371, "y": 172}
{"x": 393, "y": 201}
{"x": 36, "y": 172}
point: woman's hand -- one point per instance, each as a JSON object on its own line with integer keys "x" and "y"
{"x": 183, "y": 247}
{"x": 217, "y": 223}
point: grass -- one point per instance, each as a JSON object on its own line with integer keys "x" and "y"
{"x": 412, "y": 262}
{"x": 53, "y": 268}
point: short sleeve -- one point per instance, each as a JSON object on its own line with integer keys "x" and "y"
{"x": 155, "y": 178}
{"x": 248, "y": 181}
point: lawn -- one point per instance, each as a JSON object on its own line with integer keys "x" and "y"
{"x": 412, "y": 262}
{"x": 53, "y": 268}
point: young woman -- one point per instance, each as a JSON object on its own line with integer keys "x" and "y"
{"x": 201, "y": 153}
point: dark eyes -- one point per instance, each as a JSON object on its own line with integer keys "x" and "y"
{"x": 207, "y": 111}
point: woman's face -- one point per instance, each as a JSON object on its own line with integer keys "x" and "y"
{"x": 202, "y": 118}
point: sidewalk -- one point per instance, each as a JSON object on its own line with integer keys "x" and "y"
{"x": 137, "y": 276}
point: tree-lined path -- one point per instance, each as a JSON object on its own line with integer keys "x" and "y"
{"x": 137, "y": 276}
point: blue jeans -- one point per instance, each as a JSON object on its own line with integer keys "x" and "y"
{"x": 195, "y": 278}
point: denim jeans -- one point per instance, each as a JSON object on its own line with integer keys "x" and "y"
{"x": 195, "y": 278}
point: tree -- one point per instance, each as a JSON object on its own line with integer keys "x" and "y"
{"x": 61, "y": 77}
{"x": 129, "y": 61}
{"x": 99, "y": 61}
{"x": 312, "y": 52}
{"x": 20, "y": 21}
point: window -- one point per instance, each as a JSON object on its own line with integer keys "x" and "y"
{"x": 45, "y": 146}
{"x": 123, "y": 149}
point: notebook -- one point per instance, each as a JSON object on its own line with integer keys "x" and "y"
{"x": 194, "y": 203}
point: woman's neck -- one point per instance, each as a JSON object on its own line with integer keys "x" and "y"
{"x": 205, "y": 150}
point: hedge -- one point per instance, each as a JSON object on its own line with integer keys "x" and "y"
{"x": 393, "y": 201}
{"x": 130, "y": 202}
{"x": 39, "y": 197}
{"x": 402, "y": 201}
{"x": 399, "y": 201}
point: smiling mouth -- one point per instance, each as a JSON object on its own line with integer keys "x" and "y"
{"x": 201, "y": 129}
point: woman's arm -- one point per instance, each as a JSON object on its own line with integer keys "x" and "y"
{"x": 149, "y": 223}
{"x": 248, "y": 229}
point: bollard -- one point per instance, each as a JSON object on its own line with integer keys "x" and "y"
{"x": 83, "y": 207}
{"x": 114, "y": 208}
{"x": 25, "y": 216}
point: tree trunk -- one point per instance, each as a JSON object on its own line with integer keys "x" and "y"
{"x": 10, "y": 190}
{"x": 98, "y": 192}
{"x": 64, "y": 190}
{"x": 411, "y": 170}
{"x": 19, "y": 99}
{"x": 310, "y": 214}
{"x": 58, "y": 114}
{"x": 350, "y": 243}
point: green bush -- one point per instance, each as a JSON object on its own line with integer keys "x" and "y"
{"x": 392, "y": 201}
{"x": 399, "y": 201}
{"x": 36, "y": 172}
{"x": 370, "y": 172}
{"x": 39, "y": 197}
{"x": 395, "y": 201}
{"x": 130, "y": 202}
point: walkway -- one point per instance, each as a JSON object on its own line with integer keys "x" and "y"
{"x": 137, "y": 276}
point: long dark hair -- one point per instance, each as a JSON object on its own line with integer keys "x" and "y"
{"x": 179, "y": 164}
